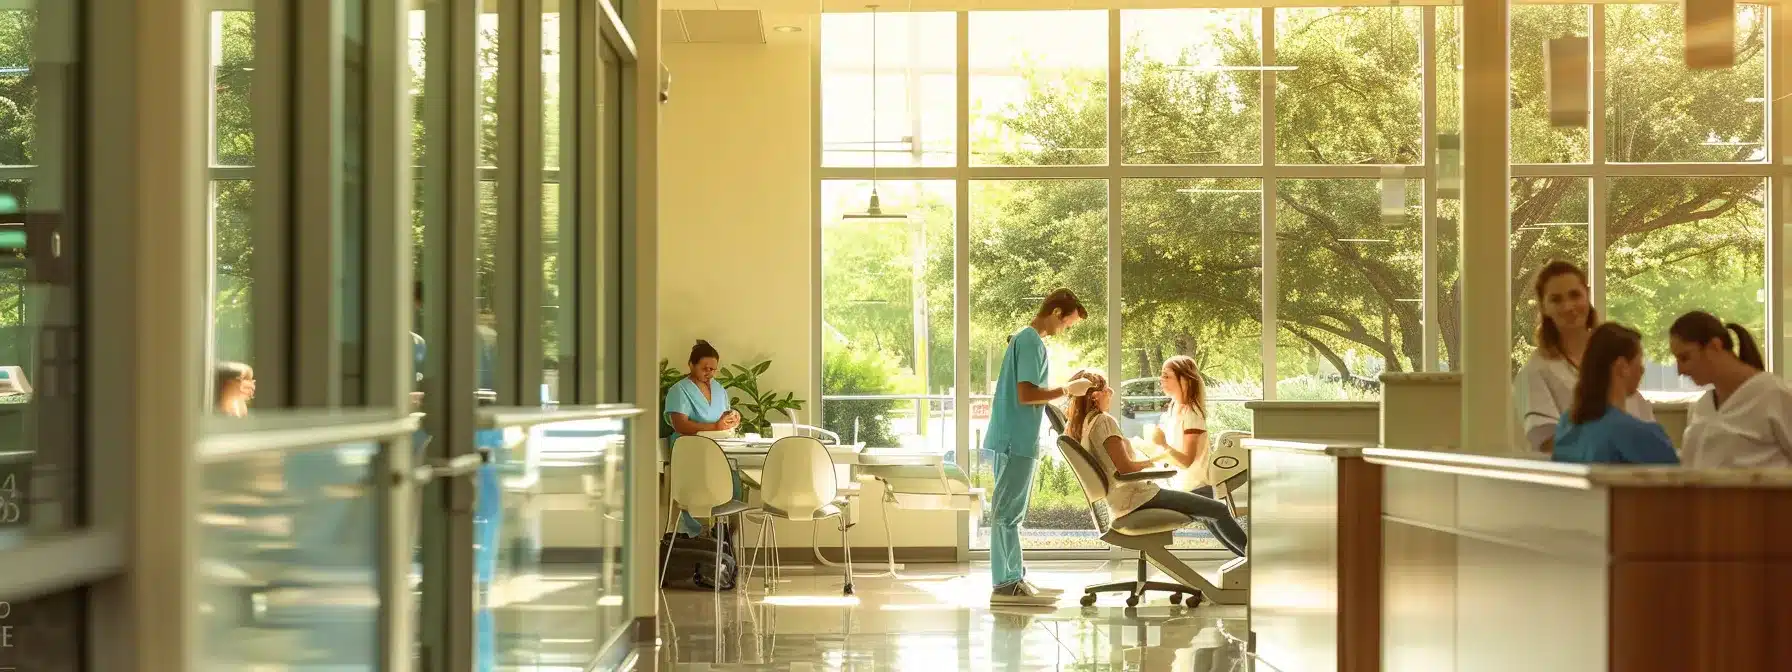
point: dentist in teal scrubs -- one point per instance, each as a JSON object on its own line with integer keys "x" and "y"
{"x": 699, "y": 403}
{"x": 1596, "y": 429}
{"x": 1013, "y": 438}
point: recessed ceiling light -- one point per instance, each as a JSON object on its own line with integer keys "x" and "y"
{"x": 788, "y": 29}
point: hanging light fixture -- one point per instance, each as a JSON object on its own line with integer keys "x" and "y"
{"x": 874, "y": 209}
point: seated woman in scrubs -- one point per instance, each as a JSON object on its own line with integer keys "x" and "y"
{"x": 698, "y": 403}
{"x": 1745, "y": 420}
{"x": 1544, "y": 386}
{"x": 1596, "y": 428}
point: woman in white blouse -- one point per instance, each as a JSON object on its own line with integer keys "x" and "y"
{"x": 1099, "y": 433}
{"x": 1545, "y": 385}
{"x": 1183, "y": 427}
{"x": 1745, "y": 420}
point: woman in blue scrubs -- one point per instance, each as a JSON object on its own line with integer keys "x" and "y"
{"x": 698, "y": 403}
{"x": 1596, "y": 428}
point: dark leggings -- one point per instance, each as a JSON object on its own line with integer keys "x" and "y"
{"x": 1208, "y": 510}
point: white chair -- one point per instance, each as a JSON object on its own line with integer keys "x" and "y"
{"x": 1148, "y": 531}
{"x": 799, "y": 484}
{"x": 701, "y": 484}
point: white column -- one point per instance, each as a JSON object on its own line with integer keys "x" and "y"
{"x": 1486, "y": 299}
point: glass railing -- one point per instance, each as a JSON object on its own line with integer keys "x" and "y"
{"x": 292, "y": 530}
{"x": 552, "y": 586}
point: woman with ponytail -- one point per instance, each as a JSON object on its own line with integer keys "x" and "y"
{"x": 1544, "y": 387}
{"x": 1595, "y": 428}
{"x": 1745, "y": 420}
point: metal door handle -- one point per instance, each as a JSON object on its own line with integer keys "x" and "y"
{"x": 451, "y": 467}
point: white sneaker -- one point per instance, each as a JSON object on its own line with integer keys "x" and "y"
{"x": 1041, "y": 590}
{"x": 1019, "y": 594}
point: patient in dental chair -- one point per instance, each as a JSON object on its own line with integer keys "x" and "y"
{"x": 1098, "y": 432}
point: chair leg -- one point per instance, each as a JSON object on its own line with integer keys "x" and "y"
{"x": 715, "y": 579}
{"x": 846, "y": 547}
{"x": 670, "y": 546}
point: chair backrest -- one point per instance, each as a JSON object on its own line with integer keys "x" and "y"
{"x": 1229, "y": 464}
{"x": 799, "y": 477}
{"x": 699, "y": 474}
{"x": 1055, "y": 415}
{"x": 1089, "y": 473}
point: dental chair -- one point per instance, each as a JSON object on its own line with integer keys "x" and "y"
{"x": 1151, "y": 533}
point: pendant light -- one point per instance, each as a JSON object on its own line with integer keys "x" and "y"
{"x": 874, "y": 210}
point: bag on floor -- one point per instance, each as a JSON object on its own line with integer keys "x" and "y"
{"x": 695, "y": 565}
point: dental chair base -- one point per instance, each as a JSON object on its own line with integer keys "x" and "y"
{"x": 1155, "y": 549}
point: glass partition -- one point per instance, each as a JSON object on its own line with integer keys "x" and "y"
{"x": 552, "y": 582}
{"x": 292, "y": 528}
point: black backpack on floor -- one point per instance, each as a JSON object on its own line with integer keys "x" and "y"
{"x": 695, "y": 564}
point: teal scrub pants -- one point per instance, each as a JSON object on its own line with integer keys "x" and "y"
{"x": 1008, "y": 507}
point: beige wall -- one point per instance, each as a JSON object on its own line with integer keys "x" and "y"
{"x": 736, "y": 232}
{"x": 734, "y": 205}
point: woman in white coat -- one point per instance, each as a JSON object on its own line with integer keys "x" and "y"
{"x": 1545, "y": 385}
{"x": 1745, "y": 420}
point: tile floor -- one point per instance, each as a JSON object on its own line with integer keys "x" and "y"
{"x": 938, "y": 618}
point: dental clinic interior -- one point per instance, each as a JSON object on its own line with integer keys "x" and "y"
{"x": 1193, "y": 335}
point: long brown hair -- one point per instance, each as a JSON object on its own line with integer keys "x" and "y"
{"x": 1700, "y": 327}
{"x": 1081, "y": 408}
{"x": 1592, "y": 393}
{"x": 1549, "y": 339}
{"x": 1194, "y": 388}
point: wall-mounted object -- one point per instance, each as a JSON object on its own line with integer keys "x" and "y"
{"x": 665, "y": 83}
{"x": 1393, "y": 196}
{"x": 1710, "y": 33}
{"x": 1449, "y": 166}
{"x": 1567, "y": 65}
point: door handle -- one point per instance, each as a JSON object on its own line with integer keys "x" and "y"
{"x": 451, "y": 467}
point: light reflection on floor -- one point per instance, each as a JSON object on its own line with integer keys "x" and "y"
{"x": 938, "y": 618}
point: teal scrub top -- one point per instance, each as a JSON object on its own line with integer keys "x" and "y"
{"x": 1013, "y": 426}
{"x": 1615, "y": 437}
{"x": 686, "y": 398}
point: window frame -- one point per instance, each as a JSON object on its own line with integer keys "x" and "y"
{"x": 1597, "y": 170}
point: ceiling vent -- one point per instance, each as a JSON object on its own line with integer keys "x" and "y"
{"x": 713, "y": 26}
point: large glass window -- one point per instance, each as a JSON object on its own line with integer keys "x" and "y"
{"x": 1348, "y": 85}
{"x": 232, "y": 192}
{"x": 1039, "y": 94}
{"x": 1192, "y": 85}
{"x": 1349, "y": 269}
{"x": 887, "y": 328}
{"x": 1660, "y": 111}
{"x": 915, "y": 90}
{"x": 1360, "y": 197}
{"x": 1680, "y": 244}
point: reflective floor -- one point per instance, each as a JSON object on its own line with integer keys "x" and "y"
{"x": 938, "y": 618}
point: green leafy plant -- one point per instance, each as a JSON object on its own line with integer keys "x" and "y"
{"x": 756, "y": 406}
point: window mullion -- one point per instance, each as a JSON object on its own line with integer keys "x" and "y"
{"x": 529, "y": 192}
{"x": 1267, "y": 245}
{"x": 1598, "y": 197}
{"x": 1432, "y": 318}
{"x": 270, "y": 113}
{"x": 316, "y": 226}
{"x": 1116, "y": 157}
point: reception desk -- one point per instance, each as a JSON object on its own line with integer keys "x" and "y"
{"x": 1317, "y": 421}
{"x": 1512, "y": 564}
{"x": 1315, "y": 556}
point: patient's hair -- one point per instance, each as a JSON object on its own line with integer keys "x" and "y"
{"x": 1081, "y": 408}
{"x": 1592, "y": 393}
{"x": 1194, "y": 389}
{"x": 703, "y": 350}
{"x": 1065, "y": 303}
{"x": 1700, "y": 327}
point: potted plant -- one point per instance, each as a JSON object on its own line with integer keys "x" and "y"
{"x": 756, "y": 406}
